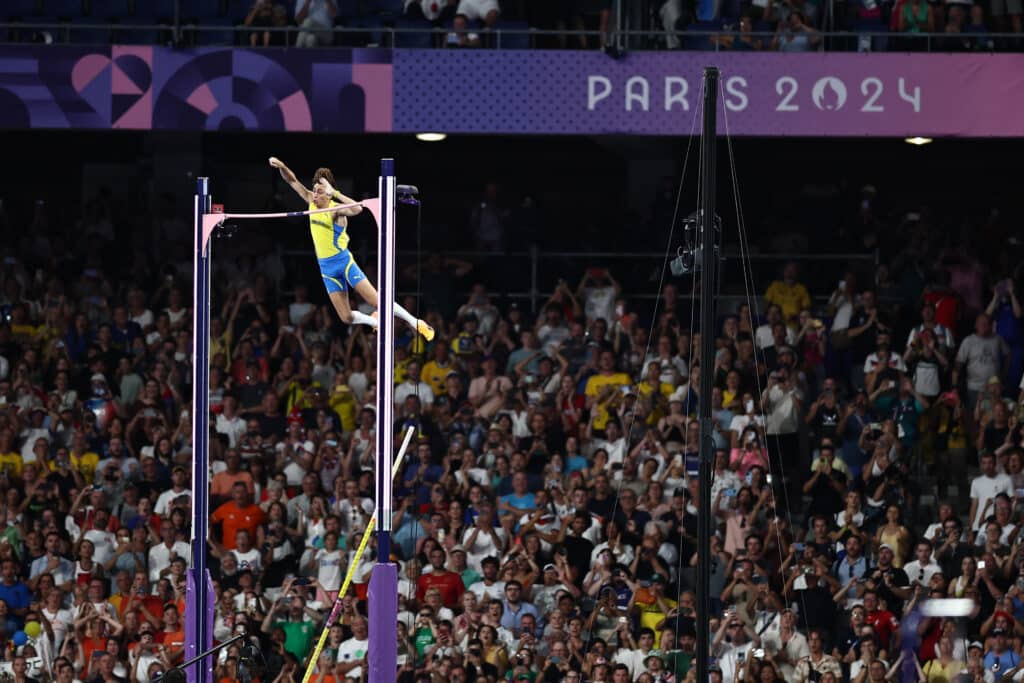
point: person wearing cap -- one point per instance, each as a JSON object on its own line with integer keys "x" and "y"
{"x": 731, "y": 652}
{"x": 555, "y": 580}
{"x": 457, "y": 563}
{"x": 890, "y": 582}
{"x": 1001, "y": 657}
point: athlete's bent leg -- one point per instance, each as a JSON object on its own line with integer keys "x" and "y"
{"x": 345, "y": 312}
{"x": 369, "y": 294}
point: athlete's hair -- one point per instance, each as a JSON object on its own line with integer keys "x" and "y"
{"x": 324, "y": 173}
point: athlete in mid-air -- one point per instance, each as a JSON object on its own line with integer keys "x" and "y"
{"x": 330, "y": 241}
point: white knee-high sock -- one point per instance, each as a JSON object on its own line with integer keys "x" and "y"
{"x": 360, "y": 318}
{"x": 405, "y": 315}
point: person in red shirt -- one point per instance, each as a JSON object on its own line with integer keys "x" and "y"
{"x": 448, "y": 582}
{"x": 237, "y": 514}
{"x": 883, "y": 621}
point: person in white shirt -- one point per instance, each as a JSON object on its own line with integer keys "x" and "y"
{"x": 922, "y": 568}
{"x": 785, "y": 643}
{"x": 489, "y": 587}
{"x": 179, "y": 478}
{"x": 598, "y": 290}
{"x": 985, "y": 488}
{"x": 613, "y": 444}
{"x": 730, "y": 655}
{"x": 483, "y": 539}
{"x": 352, "y": 652}
{"x": 329, "y": 563}
{"x": 634, "y": 658}
{"x": 229, "y": 422}
{"x": 161, "y": 555}
{"x": 355, "y": 511}
{"x": 315, "y": 19}
{"x": 247, "y": 556}
{"x": 412, "y": 386}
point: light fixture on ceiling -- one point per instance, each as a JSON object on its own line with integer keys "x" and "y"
{"x": 431, "y": 137}
{"x": 917, "y": 140}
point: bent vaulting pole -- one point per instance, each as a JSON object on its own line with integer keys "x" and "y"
{"x": 708, "y": 275}
{"x": 200, "y": 600}
{"x": 383, "y": 590}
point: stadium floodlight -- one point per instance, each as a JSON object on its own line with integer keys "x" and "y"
{"x": 917, "y": 140}
{"x": 431, "y": 137}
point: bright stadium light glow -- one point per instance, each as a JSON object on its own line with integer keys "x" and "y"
{"x": 431, "y": 137}
{"x": 917, "y": 140}
{"x": 947, "y": 607}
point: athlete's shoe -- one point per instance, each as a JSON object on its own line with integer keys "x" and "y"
{"x": 426, "y": 330}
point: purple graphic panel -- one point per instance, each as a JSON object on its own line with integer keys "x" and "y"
{"x": 140, "y": 87}
{"x": 654, "y": 93}
{"x": 492, "y": 91}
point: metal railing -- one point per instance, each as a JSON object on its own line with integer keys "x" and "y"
{"x": 499, "y": 38}
{"x": 530, "y": 277}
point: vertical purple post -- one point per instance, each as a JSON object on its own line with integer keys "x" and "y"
{"x": 199, "y": 603}
{"x": 383, "y": 591}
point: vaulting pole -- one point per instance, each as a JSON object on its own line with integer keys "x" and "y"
{"x": 708, "y": 275}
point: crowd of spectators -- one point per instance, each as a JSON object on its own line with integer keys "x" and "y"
{"x": 787, "y": 25}
{"x": 867, "y": 458}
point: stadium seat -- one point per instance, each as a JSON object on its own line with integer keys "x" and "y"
{"x": 348, "y": 9}
{"x": 115, "y": 10}
{"x": 83, "y": 30}
{"x": 419, "y": 39}
{"x": 701, "y": 42}
{"x": 374, "y": 35}
{"x": 217, "y": 32}
{"x": 137, "y": 31}
{"x": 388, "y": 9}
{"x": 238, "y": 10}
{"x": 155, "y": 11}
{"x": 19, "y": 9}
{"x": 199, "y": 10}
{"x": 518, "y": 40}
{"x": 64, "y": 9}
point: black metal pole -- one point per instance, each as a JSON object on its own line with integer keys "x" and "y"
{"x": 708, "y": 273}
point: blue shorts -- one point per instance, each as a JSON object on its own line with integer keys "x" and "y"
{"x": 340, "y": 272}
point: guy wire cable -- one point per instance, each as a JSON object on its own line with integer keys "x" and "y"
{"x": 654, "y": 316}
{"x": 754, "y": 313}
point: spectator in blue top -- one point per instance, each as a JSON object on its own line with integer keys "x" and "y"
{"x": 1001, "y": 656}
{"x": 515, "y": 607}
{"x": 1006, "y": 313}
{"x": 12, "y": 591}
{"x": 521, "y": 500}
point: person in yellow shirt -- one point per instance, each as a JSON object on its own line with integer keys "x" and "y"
{"x": 652, "y": 604}
{"x": 10, "y": 458}
{"x": 338, "y": 267}
{"x": 435, "y": 371}
{"x": 82, "y": 459}
{"x": 606, "y": 377}
{"x": 655, "y": 393}
{"x": 788, "y": 294}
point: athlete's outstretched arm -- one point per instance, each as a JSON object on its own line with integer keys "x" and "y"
{"x": 290, "y": 178}
{"x": 341, "y": 199}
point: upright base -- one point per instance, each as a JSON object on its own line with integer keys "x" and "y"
{"x": 382, "y": 658}
{"x": 195, "y": 640}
